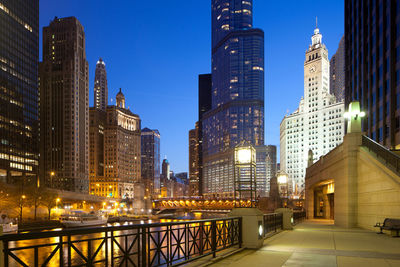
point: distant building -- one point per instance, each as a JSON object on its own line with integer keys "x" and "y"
{"x": 237, "y": 106}
{"x": 97, "y": 126}
{"x": 318, "y": 123}
{"x": 150, "y": 147}
{"x": 165, "y": 177}
{"x": 265, "y": 168}
{"x": 194, "y": 180}
{"x": 122, "y": 155}
{"x": 337, "y": 72}
{"x": 19, "y": 56}
{"x": 372, "y": 39}
{"x": 64, "y": 106}
{"x": 100, "y": 86}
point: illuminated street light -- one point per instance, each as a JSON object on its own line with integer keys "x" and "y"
{"x": 245, "y": 173}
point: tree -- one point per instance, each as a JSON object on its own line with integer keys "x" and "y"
{"x": 34, "y": 195}
{"x": 49, "y": 200}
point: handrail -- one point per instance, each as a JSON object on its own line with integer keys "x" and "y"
{"x": 382, "y": 152}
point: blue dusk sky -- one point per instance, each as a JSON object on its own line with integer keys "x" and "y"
{"x": 155, "y": 50}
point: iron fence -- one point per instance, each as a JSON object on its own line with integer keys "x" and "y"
{"x": 156, "y": 244}
{"x": 298, "y": 216}
{"x": 272, "y": 222}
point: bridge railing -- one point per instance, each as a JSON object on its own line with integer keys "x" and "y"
{"x": 298, "y": 216}
{"x": 272, "y": 222}
{"x": 155, "y": 244}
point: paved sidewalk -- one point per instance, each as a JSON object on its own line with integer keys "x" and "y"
{"x": 320, "y": 243}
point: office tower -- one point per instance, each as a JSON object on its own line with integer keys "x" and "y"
{"x": 19, "y": 54}
{"x": 150, "y": 153}
{"x": 100, "y": 86}
{"x": 64, "y": 106}
{"x": 205, "y": 101}
{"x": 317, "y": 124}
{"x": 194, "y": 161}
{"x": 165, "y": 178}
{"x": 372, "y": 36}
{"x": 237, "y": 106}
{"x": 265, "y": 168}
{"x": 337, "y": 74}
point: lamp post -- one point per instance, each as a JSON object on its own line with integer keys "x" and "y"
{"x": 283, "y": 183}
{"x": 244, "y": 174}
{"x": 51, "y": 178}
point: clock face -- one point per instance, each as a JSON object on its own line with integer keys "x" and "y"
{"x": 312, "y": 69}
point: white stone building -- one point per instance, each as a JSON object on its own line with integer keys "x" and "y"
{"x": 317, "y": 124}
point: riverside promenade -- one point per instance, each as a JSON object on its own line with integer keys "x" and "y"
{"x": 317, "y": 243}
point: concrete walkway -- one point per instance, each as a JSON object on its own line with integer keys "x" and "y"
{"x": 320, "y": 243}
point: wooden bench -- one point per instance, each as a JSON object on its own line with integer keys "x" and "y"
{"x": 389, "y": 224}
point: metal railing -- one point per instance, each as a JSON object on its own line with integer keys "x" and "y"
{"x": 156, "y": 244}
{"x": 298, "y": 216}
{"x": 272, "y": 222}
{"x": 382, "y": 152}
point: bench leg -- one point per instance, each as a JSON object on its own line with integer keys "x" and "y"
{"x": 380, "y": 231}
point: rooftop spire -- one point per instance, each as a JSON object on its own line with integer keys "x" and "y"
{"x": 316, "y": 22}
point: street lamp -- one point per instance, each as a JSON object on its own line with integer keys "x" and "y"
{"x": 283, "y": 181}
{"x": 244, "y": 173}
{"x": 51, "y": 178}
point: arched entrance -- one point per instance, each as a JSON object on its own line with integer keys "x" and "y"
{"x": 321, "y": 200}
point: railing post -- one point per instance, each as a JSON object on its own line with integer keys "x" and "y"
{"x": 69, "y": 245}
{"x": 106, "y": 246}
{"x": 112, "y": 248}
{"x": 2, "y": 256}
{"x": 240, "y": 232}
{"x": 144, "y": 245}
{"x": 214, "y": 237}
{"x": 61, "y": 262}
{"x": 201, "y": 229}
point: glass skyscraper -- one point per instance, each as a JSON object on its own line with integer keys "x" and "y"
{"x": 372, "y": 60}
{"x": 237, "y": 92}
{"x": 150, "y": 160}
{"x": 19, "y": 54}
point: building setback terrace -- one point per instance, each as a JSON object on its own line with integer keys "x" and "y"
{"x": 318, "y": 243}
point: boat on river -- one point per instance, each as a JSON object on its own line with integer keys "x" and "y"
{"x": 81, "y": 219}
{"x": 7, "y": 224}
{"x": 9, "y": 227}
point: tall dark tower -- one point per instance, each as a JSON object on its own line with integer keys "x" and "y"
{"x": 100, "y": 86}
{"x": 372, "y": 60}
{"x": 64, "y": 106}
{"x": 237, "y": 110}
{"x": 19, "y": 55}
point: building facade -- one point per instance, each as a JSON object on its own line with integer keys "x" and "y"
{"x": 372, "y": 44}
{"x": 337, "y": 73}
{"x": 19, "y": 55}
{"x": 97, "y": 126}
{"x": 150, "y": 157}
{"x": 64, "y": 106}
{"x": 100, "y": 86}
{"x": 317, "y": 124}
{"x": 237, "y": 102}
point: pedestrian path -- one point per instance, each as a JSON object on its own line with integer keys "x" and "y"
{"x": 320, "y": 243}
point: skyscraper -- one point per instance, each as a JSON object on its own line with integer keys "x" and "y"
{"x": 19, "y": 54}
{"x": 64, "y": 106}
{"x": 194, "y": 181}
{"x": 337, "y": 74}
{"x": 317, "y": 124}
{"x": 100, "y": 86}
{"x": 150, "y": 153}
{"x": 237, "y": 110}
{"x": 372, "y": 36}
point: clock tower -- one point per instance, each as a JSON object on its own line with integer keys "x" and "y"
{"x": 316, "y": 74}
